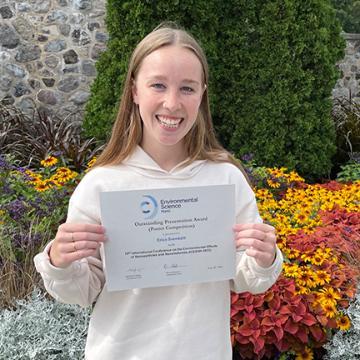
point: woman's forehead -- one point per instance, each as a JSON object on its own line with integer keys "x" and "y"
{"x": 172, "y": 60}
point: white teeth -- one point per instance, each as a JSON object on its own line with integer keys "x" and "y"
{"x": 171, "y": 123}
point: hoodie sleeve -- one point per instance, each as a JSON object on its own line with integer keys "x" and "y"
{"x": 82, "y": 281}
{"x": 249, "y": 275}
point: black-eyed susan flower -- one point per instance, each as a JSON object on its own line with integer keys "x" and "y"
{"x": 306, "y": 256}
{"x": 306, "y": 354}
{"x": 291, "y": 270}
{"x": 322, "y": 277}
{"x": 329, "y": 309}
{"x": 302, "y": 290}
{"x": 91, "y": 163}
{"x": 273, "y": 184}
{"x": 317, "y": 259}
{"x": 343, "y": 323}
{"x": 330, "y": 296}
{"x": 292, "y": 253}
{"x": 42, "y": 185}
{"x": 49, "y": 161}
{"x": 306, "y": 278}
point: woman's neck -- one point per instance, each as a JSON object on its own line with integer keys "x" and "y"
{"x": 167, "y": 157}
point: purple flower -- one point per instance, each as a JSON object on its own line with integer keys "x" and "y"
{"x": 16, "y": 209}
{"x": 26, "y": 240}
{"x": 6, "y": 190}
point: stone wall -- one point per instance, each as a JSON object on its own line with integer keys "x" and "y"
{"x": 48, "y": 50}
{"x": 349, "y": 84}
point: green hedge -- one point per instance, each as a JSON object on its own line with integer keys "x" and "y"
{"x": 348, "y": 13}
{"x": 272, "y": 70}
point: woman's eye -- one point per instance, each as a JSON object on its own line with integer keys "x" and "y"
{"x": 158, "y": 86}
{"x": 187, "y": 89}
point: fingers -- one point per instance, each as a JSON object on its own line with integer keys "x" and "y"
{"x": 74, "y": 242}
{"x": 92, "y": 228}
{"x": 259, "y": 241}
{"x": 264, "y": 259}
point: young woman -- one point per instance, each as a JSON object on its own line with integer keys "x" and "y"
{"x": 163, "y": 137}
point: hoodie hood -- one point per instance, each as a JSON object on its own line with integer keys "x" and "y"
{"x": 140, "y": 162}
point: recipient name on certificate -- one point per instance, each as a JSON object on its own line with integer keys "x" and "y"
{"x": 172, "y": 236}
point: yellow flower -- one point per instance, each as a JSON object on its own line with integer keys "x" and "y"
{"x": 291, "y": 270}
{"x": 273, "y": 184}
{"x": 292, "y": 254}
{"x": 322, "y": 277}
{"x": 63, "y": 175}
{"x": 343, "y": 323}
{"x": 329, "y": 296}
{"x": 302, "y": 290}
{"x": 33, "y": 176}
{"x": 306, "y": 278}
{"x": 300, "y": 218}
{"x": 91, "y": 163}
{"x": 293, "y": 176}
{"x": 316, "y": 259}
{"x": 49, "y": 161}
{"x": 306, "y": 257}
{"x": 306, "y": 354}
{"x": 329, "y": 309}
{"x": 42, "y": 185}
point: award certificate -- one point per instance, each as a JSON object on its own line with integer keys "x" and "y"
{"x": 173, "y": 236}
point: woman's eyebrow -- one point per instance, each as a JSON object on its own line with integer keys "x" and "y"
{"x": 164, "y": 78}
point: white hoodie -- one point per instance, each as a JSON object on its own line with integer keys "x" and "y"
{"x": 184, "y": 322}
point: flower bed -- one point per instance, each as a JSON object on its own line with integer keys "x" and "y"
{"x": 32, "y": 205}
{"x": 318, "y": 229}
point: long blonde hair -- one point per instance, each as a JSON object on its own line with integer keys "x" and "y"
{"x": 200, "y": 141}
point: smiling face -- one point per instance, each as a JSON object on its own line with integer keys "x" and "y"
{"x": 168, "y": 89}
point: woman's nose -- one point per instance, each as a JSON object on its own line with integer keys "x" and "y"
{"x": 171, "y": 101}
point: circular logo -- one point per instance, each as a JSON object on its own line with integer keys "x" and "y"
{"x": 149, "y": 207}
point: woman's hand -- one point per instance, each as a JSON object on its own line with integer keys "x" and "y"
{"x": 74, "y": 242}
{"x": 259, "y": 240}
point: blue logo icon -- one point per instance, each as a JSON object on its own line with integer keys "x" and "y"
{"x": 149, "y": 207}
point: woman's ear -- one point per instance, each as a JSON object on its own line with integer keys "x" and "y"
{"x": 205, "y": 87}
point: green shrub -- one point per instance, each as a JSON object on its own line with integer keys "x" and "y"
{"x": 349, "y": 172}
{"x": 348, "y": 13}
{"x": 272, "y": 70}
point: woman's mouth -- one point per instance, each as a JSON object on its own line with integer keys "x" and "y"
{"x": 169, "y": 122}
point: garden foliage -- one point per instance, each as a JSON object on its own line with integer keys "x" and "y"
{"x": 349, "y": 172}
{"x": 42, "y": 329}
{"x": 31, "y": 137}
{"x": 348, "y": 13}
{"x": 272, "y": 67}
{"x": 32, "y": 206}
{"x": 318, "y": 229}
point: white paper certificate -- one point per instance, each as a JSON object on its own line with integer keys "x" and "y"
{"x": 161, "y": 237}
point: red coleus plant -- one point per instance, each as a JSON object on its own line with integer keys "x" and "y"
{"x": 279, "y": 320}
